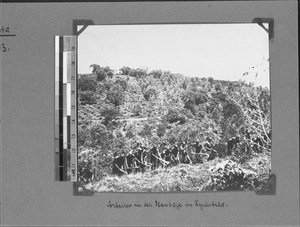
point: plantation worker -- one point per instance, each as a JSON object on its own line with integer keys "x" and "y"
{"x": 162, "y": 156}
{"x": 129, "y": 161}
{"x": 138, "y": 157}
{"x": 185, "y": 157}
{"x": 168, "y": 154}
{"x": 153, "y": 157}
{"x": 119, "y": 164}
{"x": 198, "y": 149}
{"x": 182, "y": 147}
{"x": 175, "y": 155}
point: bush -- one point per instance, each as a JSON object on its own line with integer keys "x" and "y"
{"x": 101, "y": 72}
{"x": 125, "y": 70}
{"x": 228, "y": 175}
{"x": 161, "y": 130}
{"x": 210, "y": 80}
{"x": 146, "y": 131}
{"x": 138, "y": 72}
{"x": 83, "y": 137}
{"x": 174, "y": 116}
{"x": 122, "y": 83}
{"x": 137, "y": 109}
{"x": 85, "y": 83}
{"x": 150, "y": 93}
{"x": 156, "y": 73}
{"x": 87, "y": 97}
{"x": 98, "y": 134}
{"x": 190, "y": 106}
{"x": 109, "y": 113}
{"x": 100, "y": 89}
{"x": 115, "y": 95}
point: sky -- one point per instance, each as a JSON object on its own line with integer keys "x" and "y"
{"x": 221, "y": 51}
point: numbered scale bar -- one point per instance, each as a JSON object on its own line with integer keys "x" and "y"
{"x": 65, "y": 108}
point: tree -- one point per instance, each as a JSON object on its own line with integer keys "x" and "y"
{"x": 87, "y": 97}
{"x": 138, "y": 72}
{"x": 86, "y": 83}
{"x": 150, "y": 93}
{"x": 210, "y": 80}
{"x": 137, "y": 109}
{"x": 101, "y": 72}
{"x": 83, "y": 137}
{"x": 108, "y": 71}
{"x": 161, "y": 130}
{"x": 123, "y": 83}
{"x": 257, "y": 117}
{"x": 115, "y": 95}
{"x": 125, "y": 70}
{"x": 156, "y": 73}
{"x": 98, "y": 133}
{"x": 100, "y": 89}
{"x": 146, "y": 131}
{"x": 174, "y": 116}
{"x": 109, "y": 113}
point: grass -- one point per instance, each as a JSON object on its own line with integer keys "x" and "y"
{"x": 182, "y": 177}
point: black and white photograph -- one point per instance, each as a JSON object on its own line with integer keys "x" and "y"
{"x": 174, "y": 107}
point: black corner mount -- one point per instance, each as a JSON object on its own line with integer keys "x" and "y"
{"x": 269, "y": 21}
{"x": 84, "y": 23}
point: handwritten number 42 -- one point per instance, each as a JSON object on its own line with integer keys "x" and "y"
{"x": 4, "y": 29}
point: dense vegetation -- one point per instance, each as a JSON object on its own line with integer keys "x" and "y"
{"x": 117, "y": 110}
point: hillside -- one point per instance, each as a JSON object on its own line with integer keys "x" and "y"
{"x": 117, "y": 111}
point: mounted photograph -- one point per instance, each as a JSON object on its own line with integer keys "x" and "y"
{"x": 174, "y": 107}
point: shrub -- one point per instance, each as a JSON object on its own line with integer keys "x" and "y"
{"x": 85, "y": 83}
{"x": 156, "y": 73}
{"x": 125, "y": 70}
{"x": 98, "y": 134}
{"x": 87, "y": 97}
{"x": 174, "y": 116}
{"x": 109, "y": 113}
{"x": 137, "y": 109}
{"x": 228, "y": 175}
{"x": 115, "y": 95}
{"x": 122, "y": 83}
{"x": 150, "y": 93}
{"x": 161, "y": 130}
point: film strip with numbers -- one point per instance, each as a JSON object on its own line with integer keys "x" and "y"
{"x": 65, "y": 108}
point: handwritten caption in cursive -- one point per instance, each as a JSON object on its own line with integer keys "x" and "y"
{"x": 159, "y": 204}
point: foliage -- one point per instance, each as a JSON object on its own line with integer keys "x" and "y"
{"x": 138, "y": 72}
{"x": 162, "y": 107}
{"x": 101, "y": 72}
{"x": 87, "y": 97}
{"x": 228, "y": 175}
{"x": 161, "y": 130}
{"x": 110, "y": 114}
{"x": 137, "y": 109}
{"x": 122, "y": 83}
{"x": 146, "y": 131}
{"x": 98, "y": 133}
{"x": 156, "y": 73}
{"x": 210, "y": 80}
{"x": 175, "y": 116}
{"x": 184, "y": 177}
{"x": 125, "y": 70}
{"x": 150, "y": 93}
{"x": 85, "y": 83}
{"x": 115, "y": 95}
